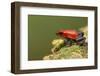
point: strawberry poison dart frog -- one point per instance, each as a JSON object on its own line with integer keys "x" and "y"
{"x": 72, "y": 36}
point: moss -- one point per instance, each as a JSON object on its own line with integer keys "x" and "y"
{"x": 73, "y": 52}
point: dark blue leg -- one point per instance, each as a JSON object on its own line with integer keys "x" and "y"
{"x": 67, "y": 42}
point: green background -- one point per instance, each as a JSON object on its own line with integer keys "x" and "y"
{"x": 42, "y": 30}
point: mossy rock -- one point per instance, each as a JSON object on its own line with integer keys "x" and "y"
{"x": 72, "y": 52}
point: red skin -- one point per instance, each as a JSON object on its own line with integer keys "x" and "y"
{"x": 71, "y": 34}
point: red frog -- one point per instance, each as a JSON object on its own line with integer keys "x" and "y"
{"x": 72, "y": 36}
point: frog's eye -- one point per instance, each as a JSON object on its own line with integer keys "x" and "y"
{"x": 59, "y": 33}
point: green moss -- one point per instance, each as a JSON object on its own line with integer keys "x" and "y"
{"x": 72, "y": 52}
